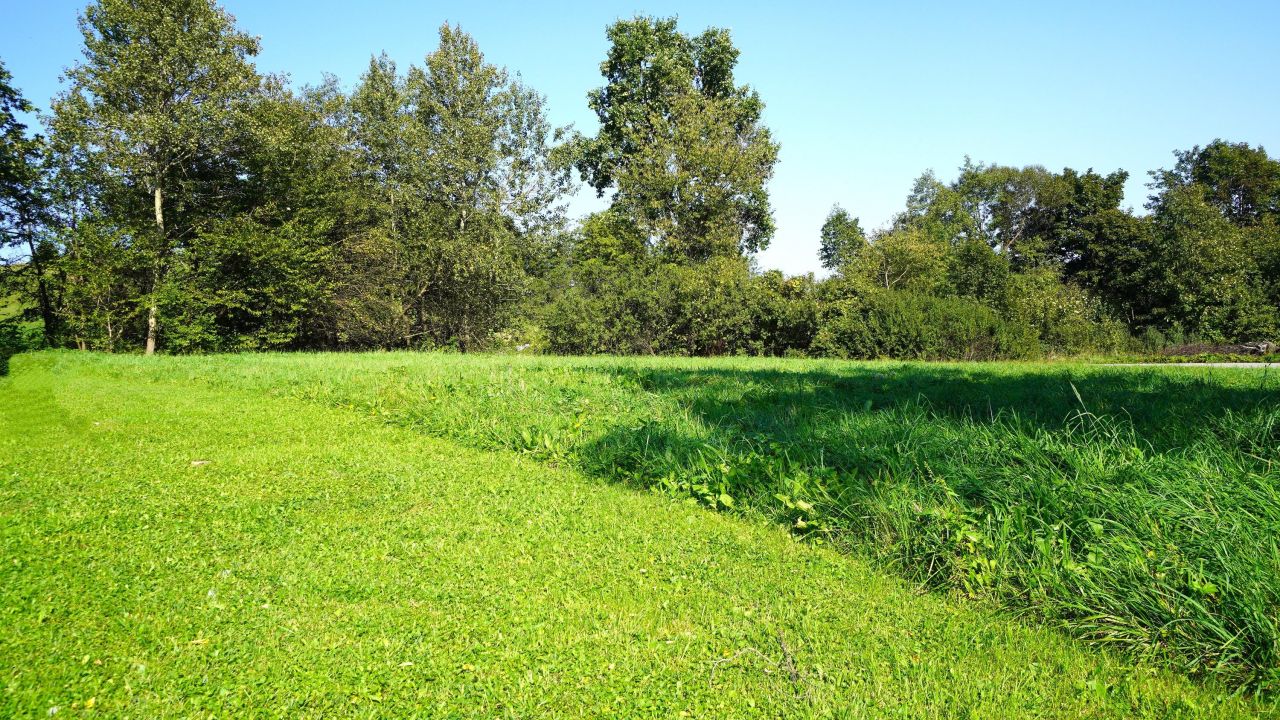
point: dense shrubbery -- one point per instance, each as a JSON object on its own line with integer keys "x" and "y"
{"x": 16, "y": 338}
{"x": 911, "y": 326}
{"x": 717, "y": 308}
{"x": 722, "y": 308}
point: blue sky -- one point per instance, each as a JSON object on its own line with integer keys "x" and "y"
{"x": 862, "y": 98}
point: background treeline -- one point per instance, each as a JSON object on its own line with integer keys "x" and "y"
{"x": 181, "y": 201}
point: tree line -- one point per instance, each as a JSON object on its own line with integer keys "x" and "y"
{"x": 181, "y": 201}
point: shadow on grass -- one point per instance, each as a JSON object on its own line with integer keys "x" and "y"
{"x": 1138, "y": 508}
{"x": 1165, "y": 409}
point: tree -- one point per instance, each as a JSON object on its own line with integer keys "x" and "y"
{"x": 900, "y": 259}
{"x": 1240, "y": 181}
{"x": 1012, "y": 209}
{"x": 102, "y": 281}
{"x": 1078, "y": 215}
{"x": 842, "y": 239}
{"x": 1209, "y": 251}
{"x": 609, "y": 238}
{"x": 1262, "y": 242}
{"x": 996, "y": 220}
{"x": 681, "y": 145}
{"x": 465, "y": 194}
{"x": 1200, "y": 271}
{"x": 23, "y": 202}
{"x": 153, "y": 103}
{"x": 977, "y": 272}
{"x": 265, "y": 272}
{"x": 19, "y": 155}
{"x": 1109, "y": 254}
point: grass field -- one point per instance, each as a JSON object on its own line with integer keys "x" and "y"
{"x": 394, "y": 535}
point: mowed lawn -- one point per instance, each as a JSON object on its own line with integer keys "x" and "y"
{"x": 179, "y": 540}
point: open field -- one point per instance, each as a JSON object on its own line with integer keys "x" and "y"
{"x": 394, "y": 534}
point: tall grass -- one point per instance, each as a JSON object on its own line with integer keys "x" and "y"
{"x": 1135, "y": 508}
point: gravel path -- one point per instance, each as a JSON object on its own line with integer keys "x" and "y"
{"x": 1196, "y": 364}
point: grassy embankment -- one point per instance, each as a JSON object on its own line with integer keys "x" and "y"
{"x": 331, "y": 555}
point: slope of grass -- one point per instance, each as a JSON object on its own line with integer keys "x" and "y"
{"x": 1135, "y": 507}
{"x": 176, "y": 548}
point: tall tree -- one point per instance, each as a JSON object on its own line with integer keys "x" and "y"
{"x": 1215, "y": 219}
{"x": 23, "y": 201}
{"x": 1200, "y": 271}
{"x": 1010, "y": 208}
{"x": 152, "y": 103}
{"x": 842, "y": 239}
{"x": 265, "y": 272}
{"x": 680, "y": 143}
{"x": 466, "y": 193}
{"x": 1241, "y": 181}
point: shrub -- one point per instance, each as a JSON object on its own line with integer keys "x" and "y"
{"x": 921, "y": 327}
{"x": 17, "y": 337}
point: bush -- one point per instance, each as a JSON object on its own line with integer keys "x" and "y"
{"x": 18, "y": 337}
{"x": 655, "y": 308}
{"x": 905, "y": 325}
{"x": 1065, "y": 319}
{"x": 784, "y": 314}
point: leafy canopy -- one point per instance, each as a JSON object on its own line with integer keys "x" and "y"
{"x": 681, "y": 145}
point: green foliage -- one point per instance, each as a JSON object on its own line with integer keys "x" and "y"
{"x": 461, "y": 196}
{"x": 19, "y": 166}
{"x": 158, "y": 104}
{"x": 1240, "y": 181}
{"x": 1061, "y": 316}
{"x": 1206, "y": 277}
{"x": 409, "y": 214}
{"x": 842, "y": 239}
{"x": 680, "y": 143}
{"x": 647, "y": 307}
{"x": 17, "y": 336}
{"x": 1055, "y": 253}
{"x": 977, "y": 272}
{"x": 656, "y": 308}
{"x": 784, "y": 314}
{"x": 25, "y": 253}
{"x": 183, "y": 202}
{"x": 907, "y": 325}
{"x": 105, "y": 277}
{"x": 906, "y": 259}
{"x": 18, "y": 333}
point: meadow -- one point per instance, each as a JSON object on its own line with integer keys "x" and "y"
{"x": 382, "y": 534}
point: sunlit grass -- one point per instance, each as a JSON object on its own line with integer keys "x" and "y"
{"x": 332, "y": 557}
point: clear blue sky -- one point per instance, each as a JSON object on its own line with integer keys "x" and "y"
{"x": 862, "y": 98}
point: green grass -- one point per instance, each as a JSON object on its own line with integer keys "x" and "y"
{"x": 341, "y": 552}
{"x": 1134, "y": 507}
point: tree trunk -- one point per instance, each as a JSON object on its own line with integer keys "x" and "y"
{"x": 155, "y": 275}
{"x": 47, "y": 315}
